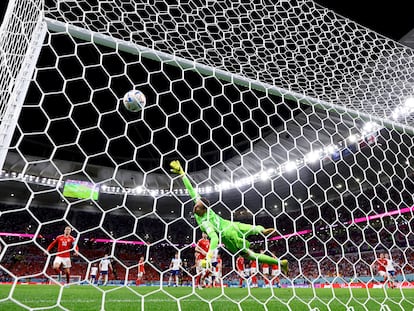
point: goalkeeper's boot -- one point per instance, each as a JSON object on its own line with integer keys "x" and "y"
{"x": 269, "y": 232}
{"x": 284, "y": 266}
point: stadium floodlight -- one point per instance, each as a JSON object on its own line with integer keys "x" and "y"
{"x": 264, "y": 176}
{"x": 312, "y": 157}
{"x": 353, "y": 138}
{"x": 330, "y": 149}
{"x": 370, "y": 127}
{"x": 290, "y": 166}
{"x": 409, "y": 104}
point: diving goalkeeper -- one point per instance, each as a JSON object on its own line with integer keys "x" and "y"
{"x": 233, "y": 234}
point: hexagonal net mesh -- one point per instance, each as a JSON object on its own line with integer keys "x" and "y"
{"x": 268, "y": 107}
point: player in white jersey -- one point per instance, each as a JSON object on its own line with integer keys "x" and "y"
{"x": 175, "y": 266}
{"x": 104, "y": 267}
{"x": 93, "y": 273}
{"x": 390, "y": 268}
{"x": 217, "y": 271}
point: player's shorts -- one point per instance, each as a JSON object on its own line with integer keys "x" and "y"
{"x": 234, "y": 236}
{"x": 175, "y": 272}
{"x": 93, "y": 277}
{"x": 140, "y": 275}
{"x": 103, "y": 272}
{"x": 391, "y": 272}
{"x": 253, "y": 270}
{"x": 265, "y": 270}
{"x": 241, "y": 273}
{"x": 64, "y": 261}
{"x": 382, "y": 273}
{"x": 217, "y": 274}
{"x": 275, "y": 272}
{"x": 199, "y": 269}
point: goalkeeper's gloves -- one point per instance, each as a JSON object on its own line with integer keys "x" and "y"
{"x": 176, "y": 167}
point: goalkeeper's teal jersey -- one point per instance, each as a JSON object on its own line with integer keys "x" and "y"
{"x": 211, "y": 221}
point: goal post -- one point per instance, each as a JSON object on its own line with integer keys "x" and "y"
{"x": 21, "y": 37}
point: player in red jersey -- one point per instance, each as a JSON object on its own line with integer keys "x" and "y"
{"x": 253, "y": 272}
{"x": 240, "y": 270}
{"x": 65, "y": 243}
{"x": 381, "y": 263}
{"x": 141, "y": 271}
{"x": 265, "y": 271}
{"x": 275, "y": 274}
{"x": 201, "y": 250}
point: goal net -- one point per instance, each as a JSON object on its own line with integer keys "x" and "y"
{"x": 59, "y": 279}
{"x": 283, "y": 115}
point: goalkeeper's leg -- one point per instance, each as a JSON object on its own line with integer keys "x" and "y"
{"x": 247, "y": 230}
{"x": 234, "y": 238}
{"x": 263, "y": 258}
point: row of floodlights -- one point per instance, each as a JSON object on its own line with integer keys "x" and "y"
{"x": 32, "y": 179}
{"x": 369, "y": 130}
{"x": 404, "y": 110}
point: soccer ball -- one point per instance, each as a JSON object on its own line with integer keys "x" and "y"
{"x": 134, "y": 100}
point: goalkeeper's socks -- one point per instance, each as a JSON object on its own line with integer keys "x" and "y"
{"x": 265, "y": 259}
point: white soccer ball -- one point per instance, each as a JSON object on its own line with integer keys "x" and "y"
{"x": 134, "y": 100}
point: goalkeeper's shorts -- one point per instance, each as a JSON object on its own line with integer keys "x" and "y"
{"x": 234, "y": 236}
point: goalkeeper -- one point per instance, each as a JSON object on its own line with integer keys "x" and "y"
{"x": 233, "y": 234}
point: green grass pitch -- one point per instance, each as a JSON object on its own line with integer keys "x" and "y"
{"x": 89, "y": 298}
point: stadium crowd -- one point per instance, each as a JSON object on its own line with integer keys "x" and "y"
{"x": 328, "y": 251}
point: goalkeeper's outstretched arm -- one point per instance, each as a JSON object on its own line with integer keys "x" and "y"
{"x": 177, "y": 169}
{"x": 199, "y": 207}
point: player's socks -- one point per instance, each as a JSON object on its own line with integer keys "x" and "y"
{"x": 254, "y": 281}
{"x": 59, "y": 274}
{"x": 262, "y": 258}
{"x": 67, "y": 278}
{"x": 197, "y": 279}
{"x": 269, "y": 260}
